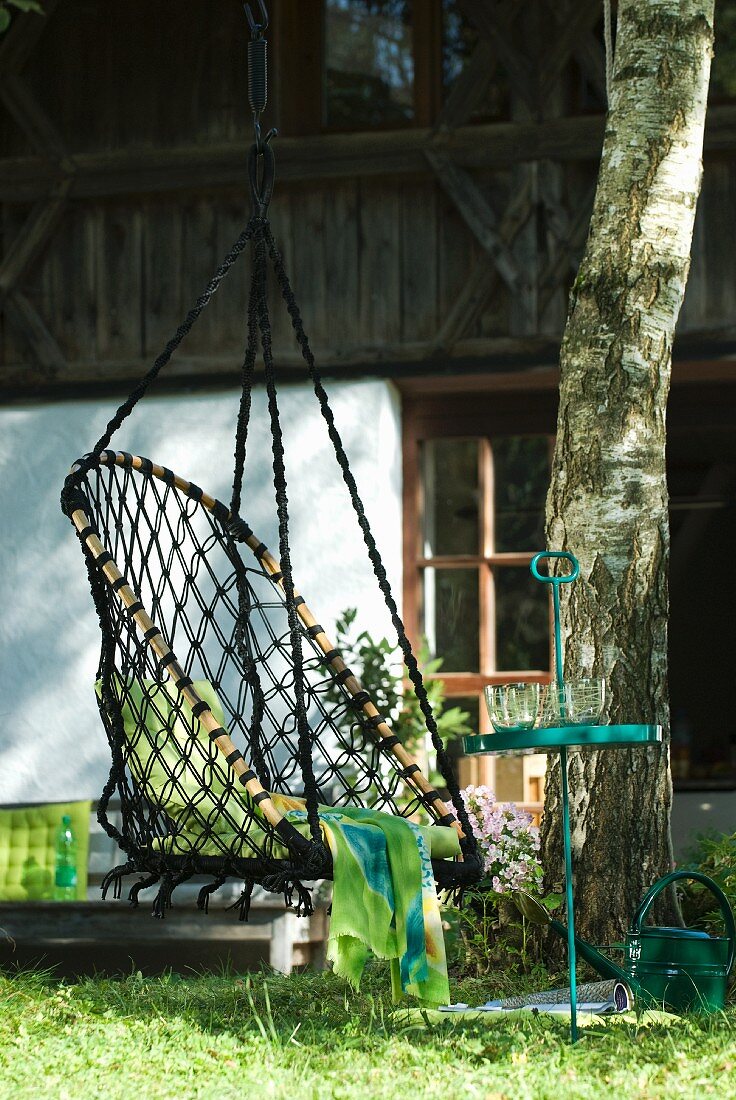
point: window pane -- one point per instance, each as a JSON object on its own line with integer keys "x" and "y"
{"x": 521, "y": 479}
{"x": 451, "y": 618}
{"x": 459, "y": 39}
{"x": 451, "y": 497}
{"x": 522, "y": 620}
{"x": 369, "y": 63}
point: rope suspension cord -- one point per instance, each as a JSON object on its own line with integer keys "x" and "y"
{"x": 261, "y": 199}
{"x": 468, "y": 841}
{"x": 282, "y": 507}
{"x": 86, "y": 464}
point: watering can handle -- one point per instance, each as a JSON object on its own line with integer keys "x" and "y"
{"x": 697, "y": 876}
{"x": 546, "y": 578}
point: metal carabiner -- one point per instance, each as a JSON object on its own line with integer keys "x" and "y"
{"x": 257, "y": 29}
{"x": 261, "y": 189}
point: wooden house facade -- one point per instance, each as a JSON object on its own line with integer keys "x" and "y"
{"x": 436, "y": 164}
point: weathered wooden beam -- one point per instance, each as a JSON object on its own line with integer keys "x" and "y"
{"x": 578, "y": 19}
{"x": 49, "y": 365}
{"x": 326, "y": 156}
{"x": 20, "y": 41}
{"x": 698, "y": 357}
{"x": 33, "y": 120}
{"x": 496, "y": 30}
{"x": 484, "y": 278}
{"x": 477, "y": 214}
{"x": 20, "y": 379}
{"x": 330, "y": 156}
{"x": 469, "y": 88}
{"x": 32, "y": 238}
{"x": 108, "y": 922}
{"x": 570, "y": 248}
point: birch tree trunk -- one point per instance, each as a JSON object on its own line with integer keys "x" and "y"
{"x": 608, "y": 497}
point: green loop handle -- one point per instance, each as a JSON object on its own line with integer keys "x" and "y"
{"x": 544, "y": 577}
{"x": 697, "y": 876}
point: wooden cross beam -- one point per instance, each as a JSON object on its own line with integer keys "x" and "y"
{"x": 20, "y": 41}
{"x": 575, "y": 23}
{"x": 484, "y": 280}
{"x": 43, "y": 219}
{"x": 476, "y": 212}
{"x": 33, "y": 120}
{"x": 469, "y": 88}
{"x": 531, "y": 85}
{"x": 32, "y": 238}
{"x": 496, "y": 28}
{"x": 570, "y": 240}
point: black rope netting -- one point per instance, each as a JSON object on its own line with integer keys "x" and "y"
{"x": 239, "y": 637}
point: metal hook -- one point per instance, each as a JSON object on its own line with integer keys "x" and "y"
{"x": 257, "y": 29}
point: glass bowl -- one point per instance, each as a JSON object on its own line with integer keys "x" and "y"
{"x": 579, "y": 703}
{"x": 513, "y": 706}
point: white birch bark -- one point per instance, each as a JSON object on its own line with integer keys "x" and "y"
{"x": 608, "y": 497}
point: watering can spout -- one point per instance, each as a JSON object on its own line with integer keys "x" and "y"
{"x": 535, "y": 912}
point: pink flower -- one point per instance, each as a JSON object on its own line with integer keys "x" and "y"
{"x": 508, "y": 841}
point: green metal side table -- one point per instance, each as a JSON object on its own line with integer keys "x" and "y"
{"x": 559, "y": 738}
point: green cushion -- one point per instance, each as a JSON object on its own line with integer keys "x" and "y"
{"x": 28, "y": 849}
{"x": 182, "y": 771}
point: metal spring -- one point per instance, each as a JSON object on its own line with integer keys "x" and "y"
{"x": 257, "y": 74}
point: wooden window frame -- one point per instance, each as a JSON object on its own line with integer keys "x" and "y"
{"x": 299, "y": 43}
{"x": 459, "y": 415}
{"x": 445, "y": 413}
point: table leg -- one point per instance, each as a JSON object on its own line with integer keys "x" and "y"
{"x": 569, "y": 894}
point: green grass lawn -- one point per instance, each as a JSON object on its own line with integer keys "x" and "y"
{"x": 310, "y": 1037}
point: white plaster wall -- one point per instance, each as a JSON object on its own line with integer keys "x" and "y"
{"x": 52, "y": 744}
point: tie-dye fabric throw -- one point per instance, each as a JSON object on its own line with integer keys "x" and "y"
{"x": 384, "y": 899}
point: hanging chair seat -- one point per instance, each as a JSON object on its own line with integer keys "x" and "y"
{"x": 196, "y": 693}
{"x": 214, "y": 675}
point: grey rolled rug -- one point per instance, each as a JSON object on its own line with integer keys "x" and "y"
{"x": 601, "y": 998}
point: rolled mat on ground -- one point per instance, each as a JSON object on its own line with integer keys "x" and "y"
{"x": 600, "y": 998}
{"x": 384, "y": 898}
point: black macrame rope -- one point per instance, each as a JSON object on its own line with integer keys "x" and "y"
{"x": 241, "y": 439}
{"x": 85, "y": 464}
{"x": 250, "y": 671}
{"x": 282, "y": 508}
{"x": 415, "y": 675}
{"x": 246, "y": 392}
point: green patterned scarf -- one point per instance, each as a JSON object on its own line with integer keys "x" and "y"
{"x": 384, "y": 899}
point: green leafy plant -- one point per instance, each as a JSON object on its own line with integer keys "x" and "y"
{"x": 377, "y": 664}
{"x": 487, "y": 933}
{"x": 21, "y": 5}
{"x": 715, "y": 855}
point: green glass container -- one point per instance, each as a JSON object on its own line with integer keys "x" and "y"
{"x": 65, "y": 874}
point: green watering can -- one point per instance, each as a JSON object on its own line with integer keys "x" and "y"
{"x": 676, "y": 968}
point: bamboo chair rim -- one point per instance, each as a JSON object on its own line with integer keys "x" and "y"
{"x": 410, "y": 769}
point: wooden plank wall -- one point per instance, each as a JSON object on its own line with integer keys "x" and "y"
{"x": 377, "y": 262}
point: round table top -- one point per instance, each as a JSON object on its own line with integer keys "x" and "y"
{"x": 554, "y": 738}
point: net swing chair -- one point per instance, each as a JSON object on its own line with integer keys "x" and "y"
{"x": 221, "y": 694}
